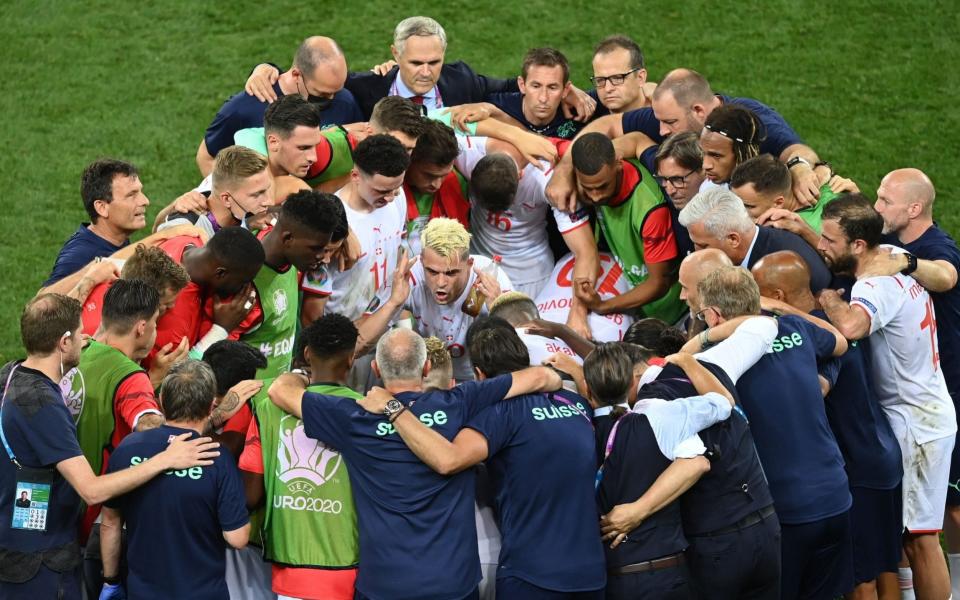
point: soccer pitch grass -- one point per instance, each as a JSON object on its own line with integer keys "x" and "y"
{"x": 872, "y": 86}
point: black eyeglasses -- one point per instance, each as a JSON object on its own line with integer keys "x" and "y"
{"x": 677, "y": 181}
{"x": 700, "y": 314}
{"x": 613, "y": 80}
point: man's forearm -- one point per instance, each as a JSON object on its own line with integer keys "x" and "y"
{"x": 703, "y": 380}
{"x": 286, "y": 392}
{"x": 671, "y": 484}
{"x": 577, "y": 342}
{"x": 429, "y": 446}
{"x": 653, "y": 288}
{"x": 111, "y": 529}
{"x": 845, "y": 318}
{"x": 82, "y": 289}
{"x": 65, "y": 285}
{"x": 371, "y": 327}
{"x": 935, "y": 275}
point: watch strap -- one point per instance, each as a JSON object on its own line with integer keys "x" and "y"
{"x": 911, "y": 264}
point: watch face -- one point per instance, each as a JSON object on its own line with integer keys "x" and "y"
{"x": 393, "y": 406}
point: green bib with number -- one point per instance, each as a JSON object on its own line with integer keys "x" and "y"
{"x": 310, "y": 519}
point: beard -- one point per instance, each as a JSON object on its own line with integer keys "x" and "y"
{"x": 845, "y": 264}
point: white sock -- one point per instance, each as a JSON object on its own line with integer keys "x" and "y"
{"x": 905, "y": 579}
{"x": 954, "y": 561}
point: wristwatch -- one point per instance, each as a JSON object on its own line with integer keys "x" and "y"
{"x": 911, "y": 264}
{"x": 393, "y": 409}
{"x": 796, "y": 160}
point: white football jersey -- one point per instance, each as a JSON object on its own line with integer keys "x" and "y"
{"x": 556, "y": 297}
{"x": 447, "y": 322}
{"x": 518, "y": 234}
{"x": 905, "y": 354}
{"x": 381, "y": 234}
{"x": 541, "y": 348}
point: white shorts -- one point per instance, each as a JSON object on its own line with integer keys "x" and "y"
{"x": 926, "y": 474}
{"x": 248, "y": 576}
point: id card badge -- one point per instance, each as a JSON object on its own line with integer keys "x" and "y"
{"x": 31, "y": 500}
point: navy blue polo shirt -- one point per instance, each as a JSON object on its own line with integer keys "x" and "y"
{"x": 175, "y": 522}
{"x": 936, "y": 244}
{"x": 543, "y": 467}
{"x": 779, "y": 133}
{"x": 82, "y": 247}
{"x": 560, "y": 127}
{"x": 242, "y": 110}
{"x": 418, "y": 536}
{"x": 863, "y": 433}
{"x": 41, "y": 434}
{"x": 782, "y": 399}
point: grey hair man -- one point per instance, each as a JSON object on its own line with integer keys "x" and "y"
{"x": 716, "y": 218}
{"x": 401, "y": 502}
{"x": 157, "y": 512}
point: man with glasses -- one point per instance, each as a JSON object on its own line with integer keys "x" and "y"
{"x": 619, "y": 76}
{"x": 318, "y": 73}
{"x": 635, "y": 221}
{"x": 682, "y": 102}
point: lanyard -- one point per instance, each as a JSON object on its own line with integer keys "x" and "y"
{"x": 6, "y": 445}
{"x": 608, "y": 449}
{"x": 563, "y": 400}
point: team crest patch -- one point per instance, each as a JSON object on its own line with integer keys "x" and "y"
{"x": 74, "y": 390}
{"x": 303, "y": 464}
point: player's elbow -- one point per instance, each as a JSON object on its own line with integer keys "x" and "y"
{"x": 841, "y": 346}
{"x": 701, "y": 466}
{"x": 448, "y": 466}
{"x": 238, "y": 538}
{"x": 850, "y": 330}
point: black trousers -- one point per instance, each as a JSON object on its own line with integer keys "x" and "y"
{"x": 741, "y": 565}
{"x": 674, "y": 583}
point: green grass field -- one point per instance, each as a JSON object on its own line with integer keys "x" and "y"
{"x": 871, "y": 86}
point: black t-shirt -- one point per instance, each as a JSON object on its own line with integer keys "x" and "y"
{"x": 560, "y": 127}
{"x": 41, "y": 433}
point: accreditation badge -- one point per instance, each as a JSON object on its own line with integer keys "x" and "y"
{"x": 31, "y": 500}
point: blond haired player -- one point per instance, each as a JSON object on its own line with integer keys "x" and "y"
{"x": 435, "y": 288}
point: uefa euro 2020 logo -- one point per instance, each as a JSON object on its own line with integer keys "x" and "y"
{"x": 303, "y": 464}
{"x": 74, "y": 392}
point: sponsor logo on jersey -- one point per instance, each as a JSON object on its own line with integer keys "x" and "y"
{"x": 74, "y": 391}
{"x": 303, "y": 464}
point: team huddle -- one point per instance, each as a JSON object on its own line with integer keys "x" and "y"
{"x": 424, "y": 333}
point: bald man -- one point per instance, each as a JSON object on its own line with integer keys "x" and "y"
{"x": 318, "y": 73}
{"x": 867, "y": 442}
{"x": 905, "y": 201}
{"x": 694, "y": 268}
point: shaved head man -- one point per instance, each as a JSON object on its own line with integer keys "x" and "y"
{"x": 317, "y": 74}
{"x": 785, "y": 276}
{"x": 905, "y": 201}
{"x": 862, "y": 431}
{"x": 694, "y": 268}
